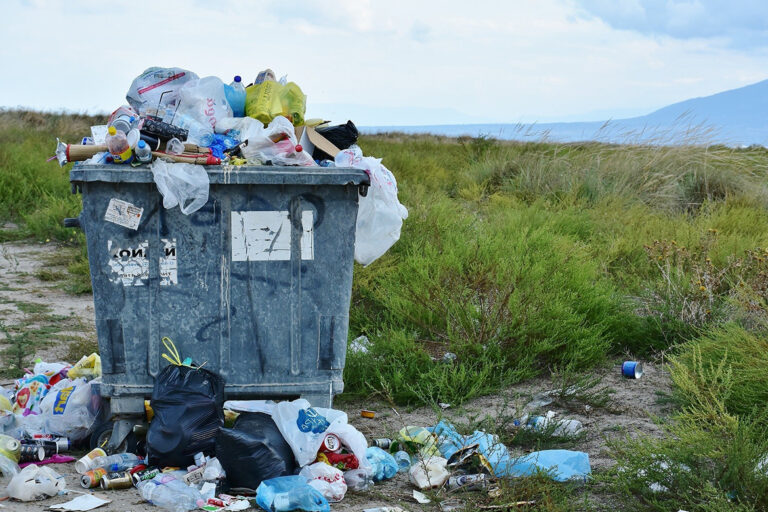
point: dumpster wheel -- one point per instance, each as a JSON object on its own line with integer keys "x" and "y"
{"x": 102, "y": 433}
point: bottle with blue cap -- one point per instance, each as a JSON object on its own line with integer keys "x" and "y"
{"x": 143, "y": 153}
{"x": 235, "y": 93}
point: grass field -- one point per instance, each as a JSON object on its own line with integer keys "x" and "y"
{"x": 528, "y": 258}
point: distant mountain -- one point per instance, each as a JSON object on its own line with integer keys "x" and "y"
{"x": 736, "y": 117}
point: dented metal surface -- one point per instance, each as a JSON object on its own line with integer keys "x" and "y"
{"x": 256, "y": 284}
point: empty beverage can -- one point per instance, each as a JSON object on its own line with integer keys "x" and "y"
{"x": 331, "y": 443}
{"x": 31, "y": 453}
{"x": 10, "y": 447}
{"x": 92, "y": 478}
{"x": 121, "y": 480}
{"x": 468, "y": 482}
{"x": 632, "y": 369}
{"x": 143, "y": 476}
{"x": 85, "y": 463}
{"x": 382, "y": 443}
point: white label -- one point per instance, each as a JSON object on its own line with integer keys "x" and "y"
{"x": 129, "y": 265}
{"x": 169, "y": 274}
{"x": 123, "y": 213}
{"x": 266, "y": 236}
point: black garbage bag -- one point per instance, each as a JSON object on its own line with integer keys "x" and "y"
{"x": 254, "y": 450}
{"x": 188, "y": 405}
{"x": 342, "y": 136}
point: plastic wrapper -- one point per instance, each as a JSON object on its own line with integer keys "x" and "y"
{"x": 158, "y": 87}
{"x": 383, "y": 465}
{"x": 380, "y": 215}
{"x": 187, "y": 404}
{"x": 358, "y": 480}
{"x": 266, "y": 100}
{"x": 342, "y": 136}
{"x": 35, "y": 483}
{"x": 429, "y": 473}
{"x": 88, "y": 367}
{"x": 185, "y": 185}
{"x": 326, "y": 479}
{"x": 253, "y": 451}
{"x": 29, "y": 394}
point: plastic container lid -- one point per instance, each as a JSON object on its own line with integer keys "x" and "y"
{"x": 237, "y": 78}
{"x": 112, "y": 130}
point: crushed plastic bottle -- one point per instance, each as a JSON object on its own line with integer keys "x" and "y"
{"x": 235, "y": 93}
{"x": 165, "y": 491}
{"x": 117, "y": 462}
{"x": 290, "y": 493}
{"x": 562, "y": 428}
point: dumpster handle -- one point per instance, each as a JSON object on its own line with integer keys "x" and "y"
{"x": 363, "y": 189}
{"x": 71, "y": 222}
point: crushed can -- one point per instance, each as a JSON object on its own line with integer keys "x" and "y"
{"x": 468, "y": 482}
{"x": 92, "y": 478}
{"x": 120, "y": 480}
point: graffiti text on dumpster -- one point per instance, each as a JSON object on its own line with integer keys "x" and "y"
{"x": 266, "y": 236}
{"x": 123, "y": 213}
{"x": 129, "y": 265}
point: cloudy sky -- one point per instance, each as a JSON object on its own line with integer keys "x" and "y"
{"x": 395, "y": 62}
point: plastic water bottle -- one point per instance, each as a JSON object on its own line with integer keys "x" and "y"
{"x": 143, "y": 153}
{"x": 199, "y": 133}
{"x": 358, "y": 480}
{"x": 117, "y": 462}
{"x": 169, "y": 493}
{"x": 403, "y": 461}
{"x": 118, "y": 146}
{"x": 235, "y": 93}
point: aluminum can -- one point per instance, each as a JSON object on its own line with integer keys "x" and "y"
{"x": 121, "y": 480}
{"x": 92, "y": 478}
{"x": 468, "y": 482}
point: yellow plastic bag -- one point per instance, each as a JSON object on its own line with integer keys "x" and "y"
{"x": 270, "y": 99}
{"x": 88, "y": 367}
{"x": 262, "y": 101}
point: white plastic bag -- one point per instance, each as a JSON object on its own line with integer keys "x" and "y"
{"x": 305, "y": 427}
{"x": 157, "y": 87}
{"x": 326, "y": 479}
{"x": 70, "y": 408}
{"x": 261, "y": 147}
{"x": 181, "y": 184}
{"x": 380, "y": 215}
{"x": 204, "y": 100}
{"x": 36, "y": 483}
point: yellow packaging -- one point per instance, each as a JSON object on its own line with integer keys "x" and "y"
{"x": 294, "y": 103}
{"x": 262, "y": 101}
{"x": 87, "y": 366}
{"x": 10, "y": 447}
{"x": 5, "y": 404}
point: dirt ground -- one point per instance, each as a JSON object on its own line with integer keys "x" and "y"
{"x": 633, "y": 402}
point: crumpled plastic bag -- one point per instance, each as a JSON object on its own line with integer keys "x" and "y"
{"x": 88, "y": 367}
{"x": 562, "y": 465}
{"x": 157, "y": 87}
{"x": 30, "y": 392}
{"x": 290, "y": 493}
{"x": 276, "y": 143}
{"x": 204, "y": 100}
{"x": 383, "y": 465}
{"x": 326, "y": 479}
{"x": 181, "y": 184}
{"x": 429, "y": 473}
{"x": 36, "y": 483}
{"x": 380, "y": 215}
{"x": 304, "y": 428}
{"x": 70, "y": 408}
{"x": 269, "y": 99}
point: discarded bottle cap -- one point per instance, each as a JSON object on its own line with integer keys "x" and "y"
{"x": 632, "y": 369}
{"x": 367, "y": 414}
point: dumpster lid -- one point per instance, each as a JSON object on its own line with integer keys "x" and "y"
{"x": 230, "y": 174}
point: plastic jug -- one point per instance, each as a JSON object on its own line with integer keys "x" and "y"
{"x": 235, "y": 93}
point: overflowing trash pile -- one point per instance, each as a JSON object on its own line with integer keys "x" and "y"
{"x": 175, "y": 122}
{"x": 201, "y": 452}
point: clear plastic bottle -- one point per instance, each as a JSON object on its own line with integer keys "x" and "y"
{"x": 118, "y": 146}
{"x": 235, "y": 93}
{"x": 117, "y": 462}
{"x": 169, "y": 493}
{"x": 143, "y": 153}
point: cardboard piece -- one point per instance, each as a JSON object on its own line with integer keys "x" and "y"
{"x": 310, "y": 139}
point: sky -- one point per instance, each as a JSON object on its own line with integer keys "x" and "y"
{"x": 393, "y": 62}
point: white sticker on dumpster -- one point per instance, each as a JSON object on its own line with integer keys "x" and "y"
{"x": 129, "y": 265}
{"x": 169, "y": 273}
{"x": 123, "y": 213}
{"x": 266, "y": 236}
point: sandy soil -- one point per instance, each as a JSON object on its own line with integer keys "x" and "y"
{"x": 633, "y": 403}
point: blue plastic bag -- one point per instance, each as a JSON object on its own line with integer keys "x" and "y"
{"x": 489, "y": 446}
{"x": 290, "y": 493}
{"x": 382, "y": 463}
{"x": 561, "y": 465}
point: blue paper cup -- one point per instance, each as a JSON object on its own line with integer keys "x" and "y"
{"x": 632, "y": 369}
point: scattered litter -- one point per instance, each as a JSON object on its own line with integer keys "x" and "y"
{"x": 451, "y": 504}
{"x": 360, "y": 345}
{"x": 508, "y": 505}
{"x": 81, "y": 503}
{"x": 367, "y": 414}
{"x": 429, "y": 473}
{"x": 421, "y": 497}
{"x": 444, "y": 405}
{"x": 449, "y": 357}
{"x": 632, "y": 369}
{"x": 35, "y": 483}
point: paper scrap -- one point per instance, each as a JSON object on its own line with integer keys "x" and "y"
{"x": 82, "y": 503}
{"x": 421, "y": 497}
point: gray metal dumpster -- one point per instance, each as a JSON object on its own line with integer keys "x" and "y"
{"x": 256, "y": 284}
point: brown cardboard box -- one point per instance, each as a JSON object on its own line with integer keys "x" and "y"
{"x": 310, "y": 139}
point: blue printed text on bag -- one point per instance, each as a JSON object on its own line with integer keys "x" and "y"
{"x": 61, "y": 400}
{"x": 310, "y": 420}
